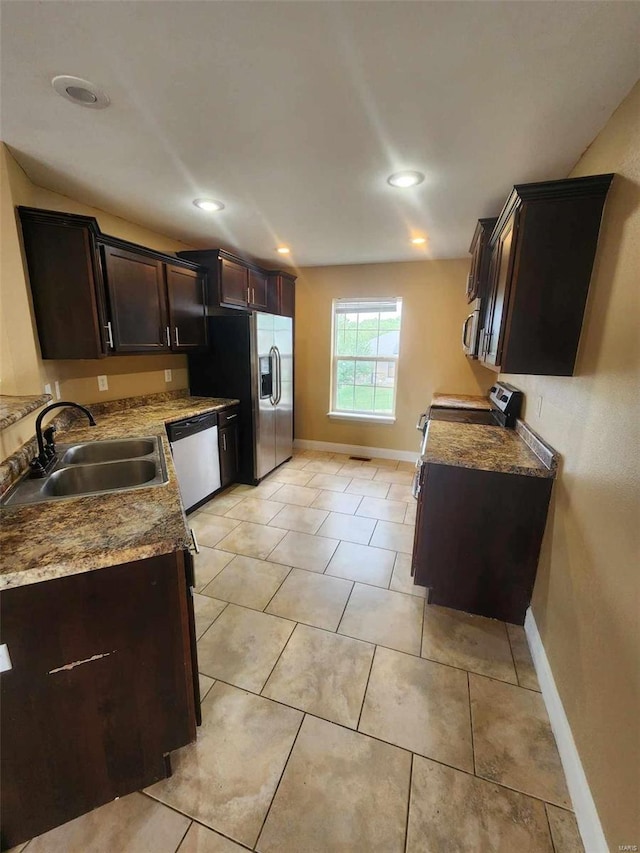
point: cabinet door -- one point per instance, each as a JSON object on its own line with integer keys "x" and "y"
{"x": 257, "y": 290}
{"x": 135, "y": 285}
{"x": 228, "y": 451}
{"x": 99, "y": 691}
{"x": 185, "y": 289}
{"x": 501, "y": 264}
{"x": 287, "y": 296}
{"x": 234, "y": 283}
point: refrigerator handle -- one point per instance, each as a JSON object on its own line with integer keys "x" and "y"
{"x": 273, "y": 361}
{"x": 279, "y": 363}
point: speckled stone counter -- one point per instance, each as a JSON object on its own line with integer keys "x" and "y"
{"x": 13, "y": 409}
{"x": 58, "y": 538}
{"x": 487, "y": 448}
{"x": 459, "y": 401}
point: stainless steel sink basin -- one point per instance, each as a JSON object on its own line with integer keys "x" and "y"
{"x": 104, "y": 477}
{"x": 95, "y": 468}
{"x": 108, "y": 451}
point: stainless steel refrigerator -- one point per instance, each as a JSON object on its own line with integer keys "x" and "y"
{"x": 250, "y": 358}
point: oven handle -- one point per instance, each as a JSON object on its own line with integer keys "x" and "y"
{"x": 422, "y": 421}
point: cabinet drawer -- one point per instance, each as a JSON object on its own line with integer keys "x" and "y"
{"x": 228, "y": 416}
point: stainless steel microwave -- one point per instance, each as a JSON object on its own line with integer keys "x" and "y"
{"x": 471, "y": 332}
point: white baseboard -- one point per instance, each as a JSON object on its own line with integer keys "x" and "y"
{"x": 585, "y": 809}
{"x": 357, "y": 450}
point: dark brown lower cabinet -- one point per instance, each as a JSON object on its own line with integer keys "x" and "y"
{"x": 228, "y": 445}
{"x": 478, "y": 537}
{"x": 100, "y": 691}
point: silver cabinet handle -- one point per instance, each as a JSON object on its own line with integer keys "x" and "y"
{"x": 224, "y": 442}
{"x": 109, "y": 334}
{"x": 5, "y": 660}
{"x": 177, "y": 338}
{"x": 464, "y": 331}
{"x": 196, "y": 547}
{"x": 415, "y": 485}
{"x": 231, "y": 417}
{"x": 168, "y": 336}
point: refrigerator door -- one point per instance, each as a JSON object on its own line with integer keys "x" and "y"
{"x": 283, "y": 335}
{"x": 264, "y": 381}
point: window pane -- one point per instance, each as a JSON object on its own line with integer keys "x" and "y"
{"x": 366, "y": 346}
{"x": 346, "y": 342}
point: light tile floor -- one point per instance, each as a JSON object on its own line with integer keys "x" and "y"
{"x": 341, "y": 713}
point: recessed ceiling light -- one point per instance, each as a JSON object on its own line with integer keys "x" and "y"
{"x": 283, "y": 250}
{"x": 80, "y": 92}
{"x": 419, "y": 241}
{"x": 405, "y": 179}
{"x": 208, "y": 204}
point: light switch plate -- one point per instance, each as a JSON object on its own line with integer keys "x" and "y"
{"x": 47, "y": 388}
{"x": 167, "y": 376}
{"x": 103, "y": 383}
{"x": 539, "y": 405}
{"x": 57, "y": 387}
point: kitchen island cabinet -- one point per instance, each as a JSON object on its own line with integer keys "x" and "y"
{"x": 101, "y": 689}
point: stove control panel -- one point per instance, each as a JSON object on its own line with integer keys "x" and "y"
{"x": 506, "y": 399}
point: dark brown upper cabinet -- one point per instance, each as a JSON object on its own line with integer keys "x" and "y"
{"x": 233, "y": 282}
{"x": 282, "y": 286}
{"x": 137, "y": 301}
{"x": 542, "y": 252}
{"x": 187, "y": 317}
{"x": 95, "y": 295}
{"x": 258, "y": 290}
{"x": 232, "y": 279}
{"x": 480, "y": 255}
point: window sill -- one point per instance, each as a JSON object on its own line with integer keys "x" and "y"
{"x": 361, "y": 416}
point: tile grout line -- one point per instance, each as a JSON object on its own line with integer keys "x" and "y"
{"x": 473, "y": 745}
{"x": 180, "y": 843}
{"x": 406, "y": 826}
{"x": 366, "y": 687}
{"x": 183, "y": 814}
{"x": 275, "y": 793}
{"x": 546, "y": 814}
{"x": 344, "y": 609}
{"x": 264, "y": 609}
{"x": 266, "y": 681}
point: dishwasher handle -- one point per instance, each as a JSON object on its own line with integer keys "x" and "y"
{"x": 191, "y": 426}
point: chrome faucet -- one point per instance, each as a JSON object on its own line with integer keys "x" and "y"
{"x": 42, "y": 463}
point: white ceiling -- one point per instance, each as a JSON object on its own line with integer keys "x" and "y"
{"x": 294, "y": 113}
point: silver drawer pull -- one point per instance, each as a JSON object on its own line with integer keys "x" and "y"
{"x": 196, "y": 547}
{"x": 109, "y": 334}
{"x": 5, "y": 660}
{"x": 168, "y": 337}
{"x": 231, "y": 417}
{"x": 177, "y": 338}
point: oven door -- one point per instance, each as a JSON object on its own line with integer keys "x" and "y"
{"x": 471, "y": 332}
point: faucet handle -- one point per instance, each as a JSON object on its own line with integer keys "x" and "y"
{"x": 50, "y": 447}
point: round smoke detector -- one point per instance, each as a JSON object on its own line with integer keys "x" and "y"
{"x": 81, "y": 92}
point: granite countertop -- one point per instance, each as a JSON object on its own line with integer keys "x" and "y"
{"x": 13, "y": 409}
{"x": 490, "y": 448}
{"x": 49, "y": 540}
{"x": 460, "y": 401}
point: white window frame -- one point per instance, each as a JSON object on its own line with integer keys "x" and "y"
{"x": 344, "y": 415}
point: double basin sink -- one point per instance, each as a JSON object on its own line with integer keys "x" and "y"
{"x": 95, "y": 468}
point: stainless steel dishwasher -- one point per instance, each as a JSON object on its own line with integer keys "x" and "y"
{"x": 194, "y": 447}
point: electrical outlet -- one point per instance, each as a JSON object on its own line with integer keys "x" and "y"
{"x": 47, "y": 388}
{"x": 103, "y": 383}
{"x": 539, "y": 405}
{"x": 57, "y": 387}
{"x": 167, "y": 376}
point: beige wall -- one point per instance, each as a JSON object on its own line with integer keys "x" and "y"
{"x": 22, "y": 371}
{"x": 431, "y": 358}
{"x": 587, "y": 593}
